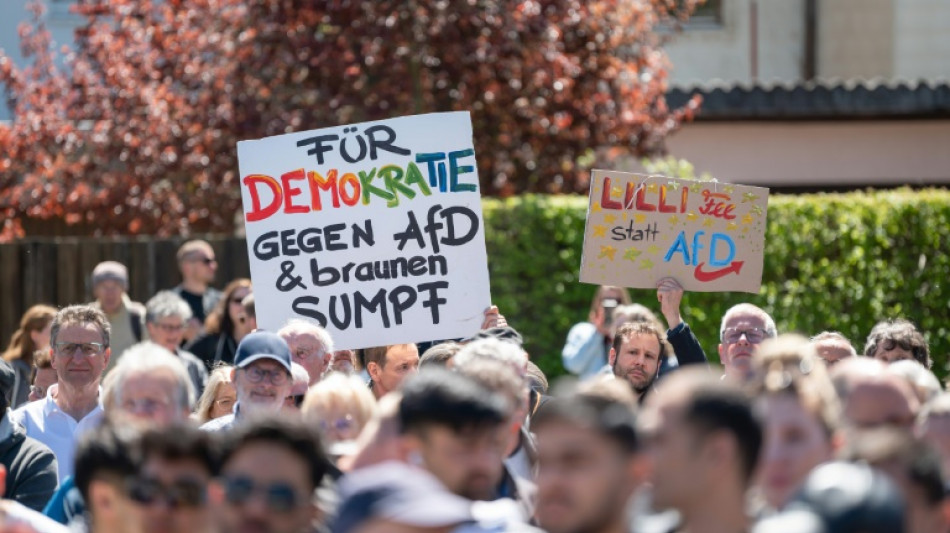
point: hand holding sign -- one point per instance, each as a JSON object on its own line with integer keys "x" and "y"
{"x": 640, "y": 229}
{"x": 373, "y": 230}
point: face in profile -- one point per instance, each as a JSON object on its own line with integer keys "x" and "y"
{"x": 468, "y": 463}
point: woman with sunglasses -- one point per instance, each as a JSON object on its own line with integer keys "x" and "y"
{"x": 801, "y": 413}
{"x": 224, "y": 327}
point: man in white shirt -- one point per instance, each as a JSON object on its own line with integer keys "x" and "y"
{"x": 79, "y": 341}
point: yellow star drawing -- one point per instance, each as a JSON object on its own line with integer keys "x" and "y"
{"x": 653, "y": 249}
{"x": 674, "y": 185}
{"x": 595, "y": 208}
{"x": 610, "y": 219}
{"x": 728, "y": 189}
{"x": 757, "y": 209}
{"x": 616, "y": 191}
{"x": 600, "y": 231}
{"x": 708, "y": 223}
{"x": 631, "y": 254}
{"x": 652, "y": 187}
{"x": 745, "y": 229}
{"x": 731, "y": 226}
{"x": 646, "y": 264}
{"x": 674, "y": 219}
{"x": 691, "y": 216}
{"x": 638, "y": 218}
{"x": 749, "y": 197}
{"x": 608, "y": 252}
{"x": 624, "y": 216}
{"x": 747, "y": 219}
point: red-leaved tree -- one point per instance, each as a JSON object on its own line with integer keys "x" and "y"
{"x": 137, "y": 132}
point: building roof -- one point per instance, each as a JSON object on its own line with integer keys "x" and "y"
{"x": 819, "y": 100}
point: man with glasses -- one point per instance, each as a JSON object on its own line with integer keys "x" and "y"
{"x": 744, "y": 327}
{"x": 261, "y": 377}
{"x": 197, "y": 265}
{"x": 171, "y": 488}
{"x": 270, "y": 470}
{"x": 166, "y": 316}
{"x": 310, "y": 345}
{"x": 79, "y": 340}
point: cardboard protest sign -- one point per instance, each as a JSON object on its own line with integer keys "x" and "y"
{"x": 373, "y": 230}
{"x": 709, "y": 236}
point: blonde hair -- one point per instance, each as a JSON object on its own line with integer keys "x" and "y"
{"x": 338, "y": 389}
{"x": 789, "y": 364}
{"x": 219, "y": 376}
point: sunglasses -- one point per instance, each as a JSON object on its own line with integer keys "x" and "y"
{"x": 181, "y": 493}
{"x": 279, "y": 497}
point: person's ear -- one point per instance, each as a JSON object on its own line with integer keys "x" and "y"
{"x": 721, "y": 360}
{"x": 373, "y": 369}
{"x": 106, "y": 355}
{"x": 612, "y": 358}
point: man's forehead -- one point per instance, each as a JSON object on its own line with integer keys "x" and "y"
{"x": 78, "y": 328}
{"x": 170, "y": 320}
{"x": 746, "y": 319}
{"x": 640, "y": 339}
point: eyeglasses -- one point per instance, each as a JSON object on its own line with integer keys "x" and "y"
{"x": 753, "y": 335}
{"x": 237, "y": 300}
{"x": 144, "y": 405}
{"x": 181, "y": 493}
{"x": 256, "y": 375}
{"x": 171, "y": 328}
{"x": 279, "y": 497}
{"x": 88, "y": 348}
{"x": 340, "y": 424}
{"x": 305, "y": 352}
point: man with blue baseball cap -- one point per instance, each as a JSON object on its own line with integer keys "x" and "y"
{"x": 261, "y": 377}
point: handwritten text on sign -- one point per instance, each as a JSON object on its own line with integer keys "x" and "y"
{"x": 640, "y": 229}
{"x": 373, "y": 230}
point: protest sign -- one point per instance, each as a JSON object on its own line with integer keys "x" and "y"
{"x": 373, "y": 230}
{"x": 710, "y": 236}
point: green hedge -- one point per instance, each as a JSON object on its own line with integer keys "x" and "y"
{"x": 832, "y": 261}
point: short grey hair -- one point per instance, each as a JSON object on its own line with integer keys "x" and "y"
{"x": 166, "y": 304}
{"x": 80, "y": 314}
{"x": 751, "y": 309}
{"x": 147, "y": 358}
{"x": 497, "y": 350}
{"x": 299, "y": 373}
{"x": 299, "y": 326}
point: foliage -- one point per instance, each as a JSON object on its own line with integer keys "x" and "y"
{"x": 137, "y": 133}
{"x": 832, "y": 261}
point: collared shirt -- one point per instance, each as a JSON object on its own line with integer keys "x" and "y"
{"x": 44, "y": 421}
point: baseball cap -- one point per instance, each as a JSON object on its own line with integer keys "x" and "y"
{"x": 504, "y": 333}
{"x": 113, "y": 270}
{"x": 400, "y": 493}
{"x": 262, "y": 345}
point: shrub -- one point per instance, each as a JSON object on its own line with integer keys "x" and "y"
{"x": 832, "y": 261}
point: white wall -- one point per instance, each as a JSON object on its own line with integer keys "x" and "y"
{"x": 705, "y": 52}
{"x": 922, "y": 34}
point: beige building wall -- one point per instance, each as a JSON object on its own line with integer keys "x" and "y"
{"x": 818, "y": 153}
{"x": 856, "y": 39}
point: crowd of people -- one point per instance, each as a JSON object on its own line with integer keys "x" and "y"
{"x": 181, "y": 415}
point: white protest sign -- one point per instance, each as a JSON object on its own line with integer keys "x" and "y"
{"x": 373, "y": 230}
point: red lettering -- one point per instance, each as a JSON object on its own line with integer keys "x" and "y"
{"x": 642, "y": 205}
{"x": 258, "y": 212}
{"x": 683, "y": 198}
{"x": 290, "y": 191}
{"x": 605, "y": 201}
{"x": 664, "y": 208}
{"x": 318, "y": 182}
{"x": 352, "y": 197}
{"x": 716, "y": 208}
